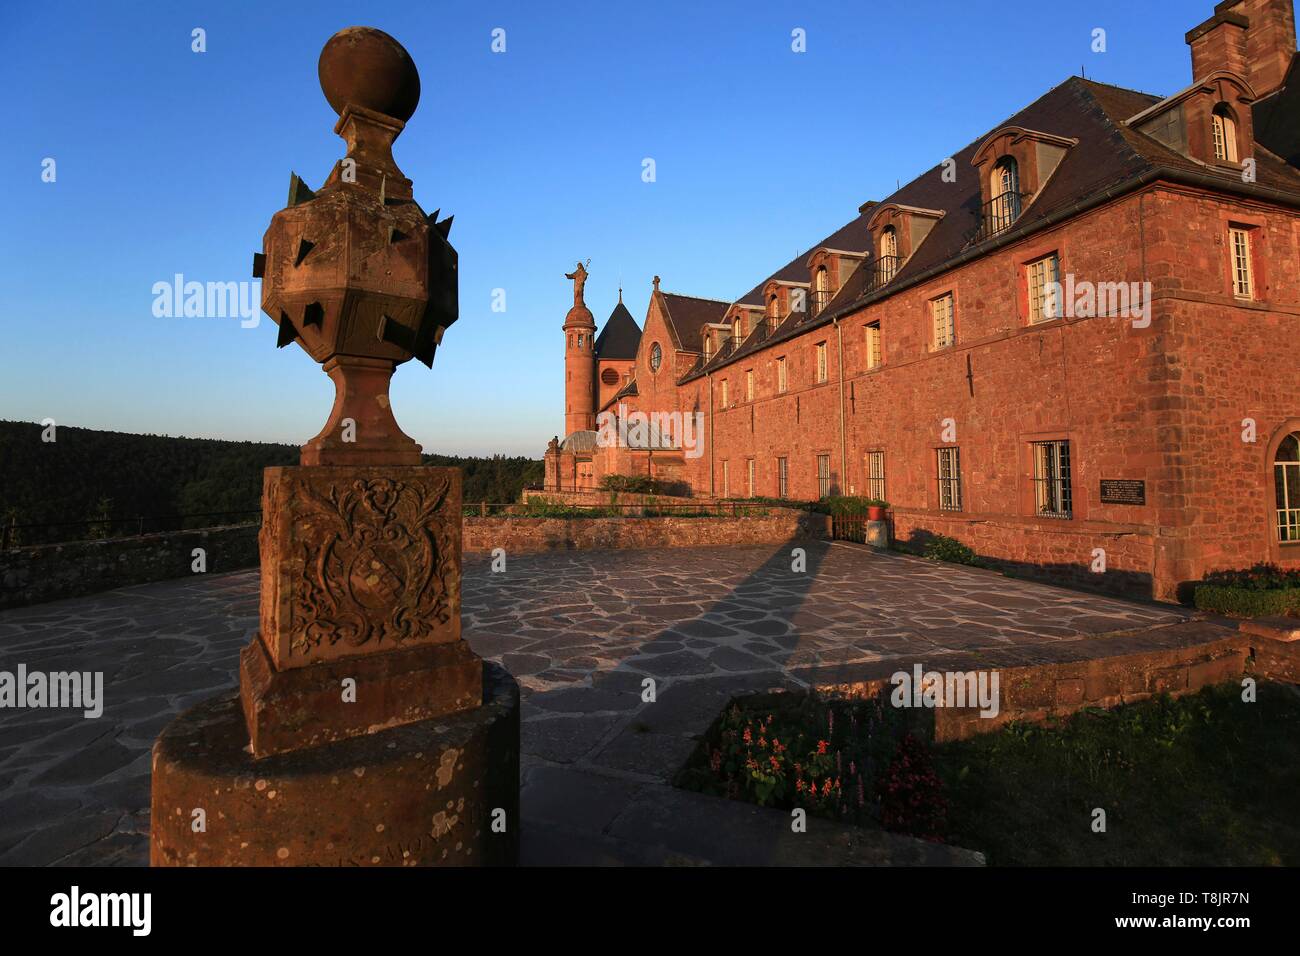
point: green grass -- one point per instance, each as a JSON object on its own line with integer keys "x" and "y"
{"x": 1206, "y": 779}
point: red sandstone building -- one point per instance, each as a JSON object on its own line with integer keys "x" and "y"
{"x": 1077, "y": 335}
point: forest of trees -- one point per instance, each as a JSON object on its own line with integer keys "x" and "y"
{"x": 88, "y": 475}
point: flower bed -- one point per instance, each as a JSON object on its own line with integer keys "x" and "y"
{"x": 860, "y": 761}
{"x": 1204, "y": 779}
{"x": 1261, "y": 591}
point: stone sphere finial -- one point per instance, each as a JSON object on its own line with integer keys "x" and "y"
{"x": 366, "y": 67}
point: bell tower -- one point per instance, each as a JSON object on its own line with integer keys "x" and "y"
{"x": 579, "y": 360}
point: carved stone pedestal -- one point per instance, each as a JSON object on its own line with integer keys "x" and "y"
{"x": 425, "y": 794}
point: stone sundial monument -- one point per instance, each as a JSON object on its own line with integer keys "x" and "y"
{"x": 365, "y": 730}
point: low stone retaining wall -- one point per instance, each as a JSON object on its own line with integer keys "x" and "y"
{"x": 1038, "y": 691}
{"x": 52, "y": 571}
{"x": 532, "y": 535}
{"x": 1065, "y": 556}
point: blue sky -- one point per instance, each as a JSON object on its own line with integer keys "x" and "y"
{"x": 170, "y": 161}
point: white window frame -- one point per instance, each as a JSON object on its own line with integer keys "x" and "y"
{"x": 1039, "y": 276}
{"x": 822, "y": 371}
{"x": 1243, "y": 269}
{"x": 948, "y": 473}
{"x": 724, "y": 393}
{"x": 749, "y": 477}
{"x": 1053, "y": 493}
{"x": 782, "y": 381}
{"x": 942, "y": 322}
{"x": 876, "y": 475}
{"x": 749, "y": 384}
{"x": 872, "y": 336}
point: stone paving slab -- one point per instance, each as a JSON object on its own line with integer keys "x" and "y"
{"x": 583, "y": 631}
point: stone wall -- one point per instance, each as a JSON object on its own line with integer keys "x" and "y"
{"x": 53, "y": 571}
{"x": 1038, "y": 691}
{"x": 1044, "y": 550}
{"x": 530, "y": 535}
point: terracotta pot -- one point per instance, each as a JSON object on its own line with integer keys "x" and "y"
{"x": 875, "y": 513}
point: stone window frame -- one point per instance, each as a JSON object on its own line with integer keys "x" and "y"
{"x": 749, "y": 385}
{"x": 783, "y": 476}
{"x": 782, "y": 375}
{"x": 875, "y": 478}
{"x": 825, "y": 482}
{"x": 821, "y": 371}
{"x": 950, "y": 298}
{"x": 1279, "y": 550}
{"x": 879, "y": 346}
{"x": 1241, "y": 262}
{"x": 947, "y": 479}
{"x": 1039, "y": 303}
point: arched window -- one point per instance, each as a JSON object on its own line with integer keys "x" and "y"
{"x": 821, "y": 289}
{"x": 888, "y": 258}
{"x": 1286, "y": 481}
{"x": 737, "y": 329}
{"x": 773, "y": 307}
{"x": 1225, "y": 134}
{"x": 1004, "y": 208}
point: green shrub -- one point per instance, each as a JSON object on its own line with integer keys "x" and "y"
{"x": 940, "y": 547}
{"x": 844, "y": 505}
{"x": 1246, "y": 602}
{"x": 1260, "y": 591}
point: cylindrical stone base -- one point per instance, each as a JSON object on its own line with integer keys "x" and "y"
{"x": 440, "y": 792}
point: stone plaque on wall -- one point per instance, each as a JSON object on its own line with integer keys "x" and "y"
{"x": 1123, "y": 491}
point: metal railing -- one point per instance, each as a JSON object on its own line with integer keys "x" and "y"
{"x": 999, "y": 213}
{"x": 882, "y": 270}
{"x": 15, "y": 535}
{"x": 821, "y": 299}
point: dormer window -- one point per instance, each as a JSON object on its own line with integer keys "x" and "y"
{"x": 821, "y": 289}
{"x": 1014, "y": 165}
{"x": 737, "y": 330}
{"x": 1004, "y": 208}
{"x": 1225, "y": 134}
{"x": 889, "y": 252}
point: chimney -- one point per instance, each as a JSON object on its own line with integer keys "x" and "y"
{"x": 1253, "y": 38}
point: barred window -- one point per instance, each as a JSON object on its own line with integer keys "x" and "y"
{"x": 876, "y": 475}
{"x": 1242, "y": 273}
{"x": 821, "y": 361}
{"x": 1043, "y": 275}
{"x": 782, "y": 473}
{"x": 1052, "y": 495}
{"x": 1286, "y": 479}
{"x": 726, "y": 477}
{"x": 949, "y": 474}
{"x": 749, "y": 478}
{"x": 942, "y": 319}
{"x": 780, "y": 374}
{"x": 873, "y": 344}
{"x": 823, "y": 476}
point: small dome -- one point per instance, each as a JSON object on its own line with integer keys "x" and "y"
{"x": 583, "y": 441}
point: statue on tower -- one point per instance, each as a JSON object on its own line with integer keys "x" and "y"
{"x": 579, "y": 277}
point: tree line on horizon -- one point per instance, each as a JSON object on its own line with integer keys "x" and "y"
{"x": 91, "y": 475}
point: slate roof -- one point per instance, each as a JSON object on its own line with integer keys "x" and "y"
{"x": 620, "y": 336}
{"x": 1109, "y": 158}
{"x": 684, "y": 314}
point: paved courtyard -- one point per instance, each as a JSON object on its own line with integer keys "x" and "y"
{"x": 581, "y": 631}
